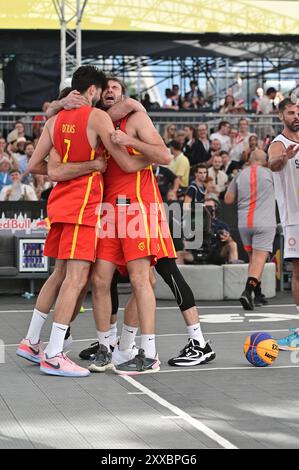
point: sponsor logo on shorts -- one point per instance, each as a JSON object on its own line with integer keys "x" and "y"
{"x": 292, "y": 241}
{"x": 141, "y": 246}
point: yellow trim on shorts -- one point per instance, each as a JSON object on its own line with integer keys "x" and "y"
{"x": 74, "y": 242}
{"x": 148, "y": 240}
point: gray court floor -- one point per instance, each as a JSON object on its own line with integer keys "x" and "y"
{"x": 224, "y": 404}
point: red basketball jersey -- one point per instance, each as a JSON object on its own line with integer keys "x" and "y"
{"x": 131, "y": 185}
{"x": 75, "y": 201}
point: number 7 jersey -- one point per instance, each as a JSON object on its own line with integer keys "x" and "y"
{"x": 75, "y": 201}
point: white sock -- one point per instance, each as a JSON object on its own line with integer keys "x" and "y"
{"x": 194, "y": 332}
{"x": 113, "y": 333}
{"x": 37, "y": 321}
{"x": 148, "y": 343}
{"x": 104, "y": 338}
{"x": 127, "y": 338}
{"x": 55, "y": 345}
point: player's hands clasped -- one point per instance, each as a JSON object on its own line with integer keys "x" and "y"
{"x": 100, "y": 164}
{"x": 120, "y": 138}
{"x": 74, "y": 100}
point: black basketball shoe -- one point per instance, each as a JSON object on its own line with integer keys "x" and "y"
{"x": 246, "y": 300}
{"x": 193, "y": 355}
{"x": 260, "y": 300}
{"x": 89, "y": 353}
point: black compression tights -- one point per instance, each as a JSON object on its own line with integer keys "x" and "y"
{"x": 169, "y": 271}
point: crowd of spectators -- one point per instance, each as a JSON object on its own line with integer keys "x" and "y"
{"x": 16, "y": 183}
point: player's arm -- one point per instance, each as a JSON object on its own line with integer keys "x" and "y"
{"x": 149, "y": 142}
{"x": 231, "y": 193}
{"x": 59, "y": 171}
{"x": 279, "y": 155}
{"x": 37, "y": 164}
{"x": 73, "y": 100}
{"x": 101, "y": 123}
{"x": 122, "y": 108}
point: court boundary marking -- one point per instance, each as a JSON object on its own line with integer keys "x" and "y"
{"x": 195, "y": 423}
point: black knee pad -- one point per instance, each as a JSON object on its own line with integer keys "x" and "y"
{"x": 114, "y": 295}
{"x": 169, "y": 271}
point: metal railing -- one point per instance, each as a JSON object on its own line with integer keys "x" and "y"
{"x": 259, "y": 124}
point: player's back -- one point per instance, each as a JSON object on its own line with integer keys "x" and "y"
{"x": 75, "y": 201}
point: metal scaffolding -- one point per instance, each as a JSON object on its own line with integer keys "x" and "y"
{"x": 70, "y": 39}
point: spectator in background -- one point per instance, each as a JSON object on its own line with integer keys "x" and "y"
{"x": 176, "y": 98}
{"x": 168, "y": 102}
{"x": 200, "y": 152}
{"x": 240, "y": 142}
{"x": 210, "y": 188}
{"x": 223, "y": 135}
{"x": 5, "y": 168}
{"x": 180, "y": 166}
{"x": 253, "y": 144}
{"x": 169, "y": 133}
{"x": 189, "y": 141}
{"x": 229, "y": 105}
{"x": 215, "y": 149}
{"x": 194, "y": 97}
{"x": 38, "y": 120}
{"x": 230, "y": 167}
{"x": 266, "y": 104}
{"x": 148, "y": 104}
{"x": 17, "y": 191}
{"x": 19, "y": 154}
{"x": 220, "y": 178}
{"x": 256, "y": 99}
{"x": 2, "y": 148}
{"x": 19, "y": 126}
{"x": 28, "y": 178}
{"x": 165, "y": 179}
{"x": 197, "y": 189}
{"x": 180, "y": 137}
{"x": 11, "y": 148}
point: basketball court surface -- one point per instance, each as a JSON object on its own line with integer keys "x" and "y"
{"x": 227, "y": 403}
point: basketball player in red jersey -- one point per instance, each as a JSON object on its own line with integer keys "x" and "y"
{"x": 72, "y": 210}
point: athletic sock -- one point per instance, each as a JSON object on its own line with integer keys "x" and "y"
{"x": 104, "y": 338}
{"x": 113, "y": 333}
{"x": 37, "y": 321}
{"x": 251, "y": 284}
{"x": 148, "y": 344}
{"x": 194, "y": 332}
{"x": 55, "y": 345}
{"x": 127, "y": 338}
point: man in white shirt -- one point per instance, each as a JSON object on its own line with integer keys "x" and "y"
{"x": 17, "y": 191}
{"x": 284, "y": 162}
{"x": 223, "y": 135}
{"x": 266, "y": 106}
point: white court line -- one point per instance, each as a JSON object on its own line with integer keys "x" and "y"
{"x": 181, "y": 414}
{"x": 172, "y": 308}
{"x": 171, "y": 334}
{"x": 189, "y": 369}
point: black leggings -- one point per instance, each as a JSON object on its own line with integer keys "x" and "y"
{"x": 169, "y": 271}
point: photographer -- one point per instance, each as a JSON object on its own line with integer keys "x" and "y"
{"x": 223, "y": 249}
